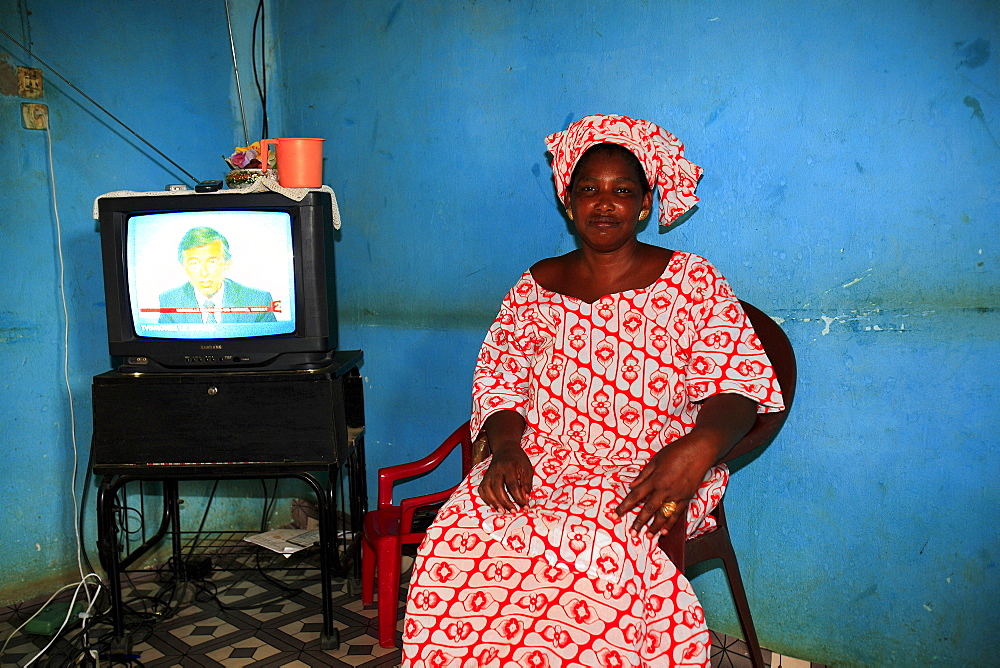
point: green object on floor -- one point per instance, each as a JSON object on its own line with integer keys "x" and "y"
{"x": 48, "y": 621}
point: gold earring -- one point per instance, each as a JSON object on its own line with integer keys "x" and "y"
{"x": 569, "y": 213}
{"x": 643, "y": 214}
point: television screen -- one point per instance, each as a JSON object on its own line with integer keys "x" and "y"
{"x": 211, "y": 274}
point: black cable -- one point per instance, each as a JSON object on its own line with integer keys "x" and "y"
{"x": 291, "y": 591}
{"x": 269, "y": 501}
{"x": 142, "y": 507}
{"x": 259, "y": 77}
{"x": 260, "y": 569}
{"x": 87, "y": 482}
{"x": 103, "y": 645}
{"x": 121, "y": 510}
{"x": 263, "y": 67}
{"x": 174, "y": 578}
{"x": 94, "y": 102}
{"x": 204, "y": 516}
{"x": 137, "y": 597}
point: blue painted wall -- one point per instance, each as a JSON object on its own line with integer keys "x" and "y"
{"x": 851, "y": 189}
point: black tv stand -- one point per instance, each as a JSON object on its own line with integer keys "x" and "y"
{"x": 170, "y": 427}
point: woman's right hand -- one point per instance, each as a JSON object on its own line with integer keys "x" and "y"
{"x": 507, "y": 481}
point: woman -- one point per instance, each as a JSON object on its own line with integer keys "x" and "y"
{"x": 611, "y": 382}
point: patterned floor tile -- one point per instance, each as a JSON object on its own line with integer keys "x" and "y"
{"x": 148, "y": 653}
{"x": 308, "y": 629}
{"x": 245, "y": 652}
{"x": 203, "y": 631}
{"x": 259, "y": 610}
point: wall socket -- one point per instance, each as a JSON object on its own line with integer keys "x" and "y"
{"x": 30, "y": 83}
{"x": 35, "y": 116}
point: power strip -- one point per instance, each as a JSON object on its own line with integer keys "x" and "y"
{"x": 51, "y": 618}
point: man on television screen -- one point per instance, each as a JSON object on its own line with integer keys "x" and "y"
{"x": 208, "y": 296}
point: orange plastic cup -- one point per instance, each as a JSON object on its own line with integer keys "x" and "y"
{"x": 300, "y": 161}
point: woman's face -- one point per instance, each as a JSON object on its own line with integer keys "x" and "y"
{"x": 606, "y": 199}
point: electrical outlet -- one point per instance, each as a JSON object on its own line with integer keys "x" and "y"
{"x": 35, "y": 116}
{"x": 29, "y": 83}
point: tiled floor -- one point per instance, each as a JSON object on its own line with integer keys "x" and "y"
{"x": 254, "y": 608}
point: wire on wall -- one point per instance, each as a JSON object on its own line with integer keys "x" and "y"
{"x": 260, "y": 78}
{"x": 96, "y": 104}
{"x": 84, "y": 576}
{"x": 236, "y": 71}
{"x": 65, "y": 360}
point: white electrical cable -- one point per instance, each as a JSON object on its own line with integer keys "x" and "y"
{"x": 69, "y": 388}
{"x": 69, "y": 613}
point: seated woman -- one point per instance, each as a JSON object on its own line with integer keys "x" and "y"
{"x": 612, "y": 381}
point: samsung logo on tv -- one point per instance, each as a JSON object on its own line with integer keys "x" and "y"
{"x": 211, "y": 347}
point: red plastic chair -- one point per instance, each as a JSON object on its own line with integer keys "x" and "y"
{"x": 389, "y": 527}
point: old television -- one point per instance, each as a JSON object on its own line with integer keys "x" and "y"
{"x": 219, "y": 281}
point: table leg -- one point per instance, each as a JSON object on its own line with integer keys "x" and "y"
{"x": 329, "y": 637}
{"x": 107, "y": 550}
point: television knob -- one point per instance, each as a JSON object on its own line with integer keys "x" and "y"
{"x": 212, "y": 391}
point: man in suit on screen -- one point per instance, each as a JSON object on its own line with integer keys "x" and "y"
{"x": 208, "y": 296}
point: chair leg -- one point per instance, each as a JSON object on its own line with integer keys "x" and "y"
{"x": 716, "y": 544}
{"x": 367, "y": 572}
{"x": 389, "y": 562}
{"x": 732, "y": 568}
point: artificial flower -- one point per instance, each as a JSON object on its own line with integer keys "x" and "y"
{"x": 248, "y": 157}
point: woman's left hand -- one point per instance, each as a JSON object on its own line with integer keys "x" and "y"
{"x": 672, "y": 475}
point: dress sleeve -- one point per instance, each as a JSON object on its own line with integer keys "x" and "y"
{"x": 725, "y": 355}
{"x": 500, "y": 381}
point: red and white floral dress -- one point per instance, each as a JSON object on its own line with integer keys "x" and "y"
{"x": 602, "y": 386}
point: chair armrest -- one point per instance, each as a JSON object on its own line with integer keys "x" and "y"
{"x": 765, "y": 428}
{"x": 410, "y": 506}
{"x": 392, "y": 474}
{"x": 673, "y": 543}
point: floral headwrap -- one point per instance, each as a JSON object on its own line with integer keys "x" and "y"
{"x": 660, "y": 153}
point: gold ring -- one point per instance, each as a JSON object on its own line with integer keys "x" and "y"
{"x": 668, "y": 508}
